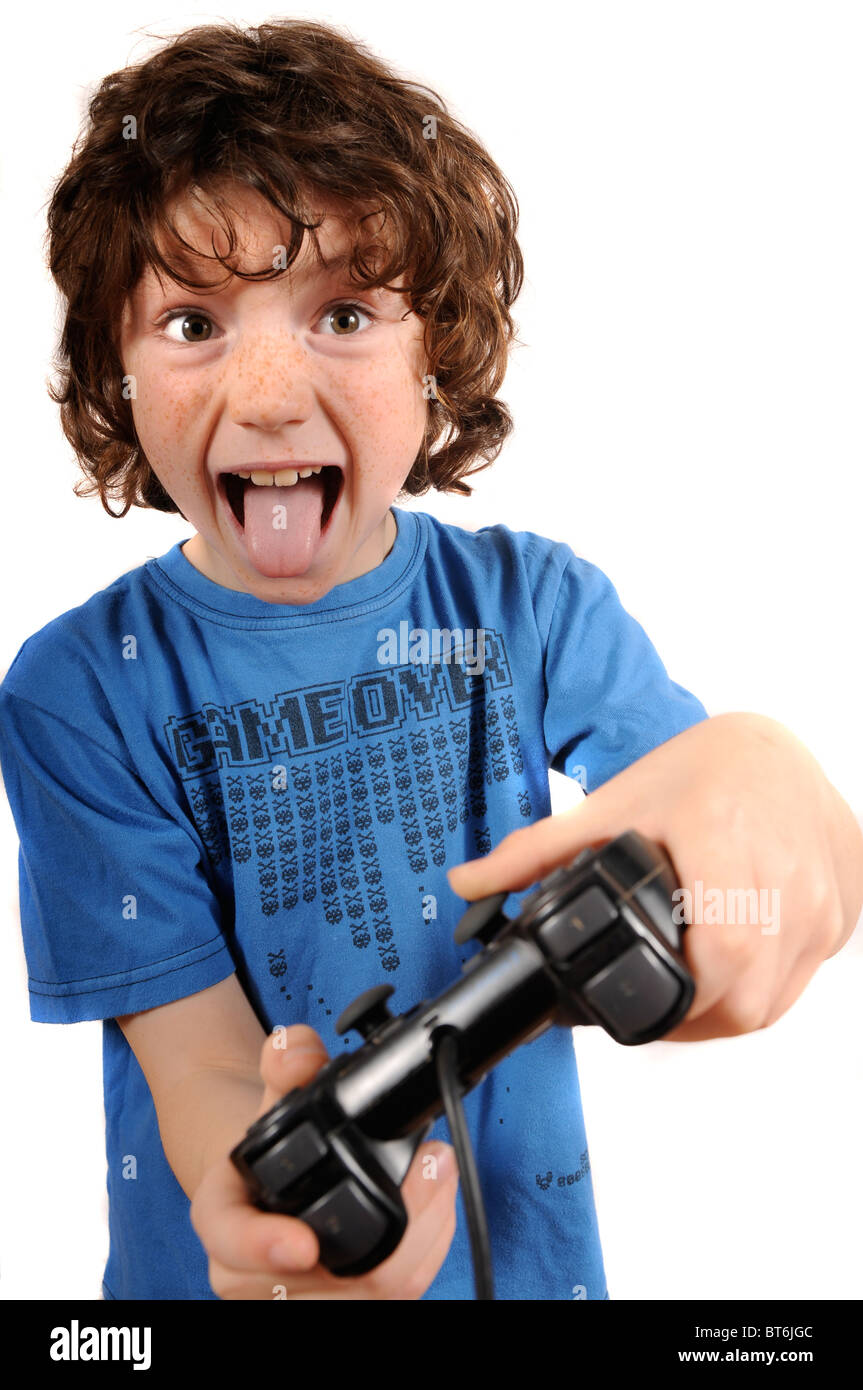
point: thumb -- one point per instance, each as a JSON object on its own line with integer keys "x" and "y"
{"x": 289, "y": 1057}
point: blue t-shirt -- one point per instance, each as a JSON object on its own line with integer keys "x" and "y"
{"x": 205, "y": 783}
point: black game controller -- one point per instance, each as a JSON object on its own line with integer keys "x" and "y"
{"x": 596, "y": 943}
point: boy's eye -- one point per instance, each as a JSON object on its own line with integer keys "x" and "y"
{"x": 200, "y": 325}
{"x": 344, "y": 315}
{"x": 196, "y": 327}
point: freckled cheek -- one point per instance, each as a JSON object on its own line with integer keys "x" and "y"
{"x": 166, "y": 415}
{"x": 167, "y": 420}
{"x": 388, "y": 413}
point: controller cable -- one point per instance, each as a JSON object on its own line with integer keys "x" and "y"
{"x": 446, "y": 1063}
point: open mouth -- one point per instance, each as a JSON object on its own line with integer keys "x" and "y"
{"x": 330, "y": 477}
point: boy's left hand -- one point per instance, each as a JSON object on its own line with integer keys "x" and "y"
{"x": 739, "y": 803}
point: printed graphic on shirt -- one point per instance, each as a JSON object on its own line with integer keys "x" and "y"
{"x": 545, "y": 1180}
{"x": 297, "y": 787}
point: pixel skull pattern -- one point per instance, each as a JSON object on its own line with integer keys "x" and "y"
{"x": 296, "y": 787}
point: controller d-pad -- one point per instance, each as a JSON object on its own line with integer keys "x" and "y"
{"x": 347, "y": 1223}
{"x": 578, "y": 922}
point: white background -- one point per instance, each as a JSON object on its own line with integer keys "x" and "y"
{"x": 688, "y": 417}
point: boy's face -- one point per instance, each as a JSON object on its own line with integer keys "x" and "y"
{"x": 272, "y": 375}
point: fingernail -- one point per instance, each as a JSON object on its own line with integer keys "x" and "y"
{"x": 446, "y": 1164}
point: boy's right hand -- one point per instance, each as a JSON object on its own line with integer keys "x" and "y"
{"x": 239, "y": 1238}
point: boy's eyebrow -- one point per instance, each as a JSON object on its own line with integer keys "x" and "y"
{"x": 333, "y": 266}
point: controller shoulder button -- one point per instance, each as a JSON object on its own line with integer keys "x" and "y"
{"x": 633, "y": 993}
{"x": 348, "y": 1224}
{"x": 576, "y": 923}
{"x": 290, "y": 1158}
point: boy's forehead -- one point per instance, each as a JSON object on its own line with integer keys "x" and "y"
{"x": 260, "y": 234}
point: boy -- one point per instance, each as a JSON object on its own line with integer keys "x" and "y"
{"x": 241, "y": 772}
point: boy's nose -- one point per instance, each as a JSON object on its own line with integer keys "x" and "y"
{"x": 270, "y": 387}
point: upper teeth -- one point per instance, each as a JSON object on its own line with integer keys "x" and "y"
{"x": 286, "y": 478}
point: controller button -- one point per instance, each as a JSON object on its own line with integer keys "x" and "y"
{"x": 347, "y": 1223}
{"x": 367, "y": 1013}
{"x": 550, "y": 881}
{"x": 576, "y": 923}
{"x": 290, "y": 1158}
{"x": 481, "y": 919}
{"x": 555, "y": 877}
{"x": 633, "y": 993}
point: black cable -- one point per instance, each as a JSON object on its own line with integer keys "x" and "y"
{"x": 446, "y": 1063}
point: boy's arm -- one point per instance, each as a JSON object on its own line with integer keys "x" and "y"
{"x": 201, "y": 1059}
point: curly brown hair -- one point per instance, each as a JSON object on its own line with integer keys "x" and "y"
{"x": 288, "y": 109}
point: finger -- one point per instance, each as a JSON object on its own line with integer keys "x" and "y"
{"x": 793, "y": 986}
{"x": 717, "y": 952}
{"x": 526, "y": 854}
{"x": 430, "y": 1205}
{"x": 237, "y": 1285}
{"x": 846, "y": 849}
{"x": 317, "y": 1283}
{"x": 743, "y": 1008}
{"x": 435, "y": 1227}
{"x": 290, "y": 1057}
{"x": 242, "y": 1237}
{"x": 717, "y": 956}
{"x": 625, "y": 802}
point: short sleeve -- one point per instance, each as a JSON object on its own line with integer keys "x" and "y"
{"x": 117, "y": 912}
{"x": 610, "y": 699}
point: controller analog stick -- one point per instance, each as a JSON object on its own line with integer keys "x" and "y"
{"x": 482, "y": 921}
{"x": 367, "y": 1013}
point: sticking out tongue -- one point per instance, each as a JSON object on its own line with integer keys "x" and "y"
{"x": 283, "y": 526}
